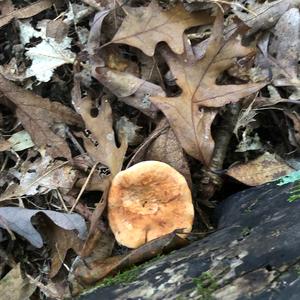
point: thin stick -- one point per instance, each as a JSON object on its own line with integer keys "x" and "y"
{"x": 46, "y": 174}
{"x": 84, "y": 186}
{"x": 61, "y": 200}
{"x": 146, "y": 143}
{"x": 235, "y": 4}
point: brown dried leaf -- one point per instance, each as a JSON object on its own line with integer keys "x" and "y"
{"x": 99, "y": 269}
{"x": 14, "y": 70}
{"x": 263, "y": 169}
{"x": 26, "y": 12}
{"x": 38, "y": 116}
{"x": 166, "y": 148}
{"x": 4, "y": 145}
{"x": 14, "y": 287}
{"x": 60, "y": 241}
{"x": 187, "y": 113}
{"x": 145, "y": 27}
{"x": 285, "y": 47}
{"x": 129, "y": 89}
{"x": 295, "y": 117}
{"x": 6, "y": 8}
{"x": 100, "y": 247}
{"x": 105, "y": 150}
{"x": 57, "y": 29}
{"x": 95, "y": 32}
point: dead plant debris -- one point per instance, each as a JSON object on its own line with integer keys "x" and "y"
{"x": 90, "y": 88}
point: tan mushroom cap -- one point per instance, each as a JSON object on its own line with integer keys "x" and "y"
{"x": 148, "y": 200}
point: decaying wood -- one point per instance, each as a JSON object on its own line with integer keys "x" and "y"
{"x": 253, "y": 254}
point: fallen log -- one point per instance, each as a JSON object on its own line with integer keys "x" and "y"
{"x": 254, "y": 254}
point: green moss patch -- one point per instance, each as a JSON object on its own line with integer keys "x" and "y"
{"x": 206, "y": 284}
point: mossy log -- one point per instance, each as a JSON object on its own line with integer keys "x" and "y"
{"x": 254, "y": 254}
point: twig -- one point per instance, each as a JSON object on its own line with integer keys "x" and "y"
{"x": 74, "y": 141}
{"x": 84, "y": 186}
{"x": 46, "y": 174}
{"x": 235, "y": 4}
{"x": 146, "y": 143}
{"x": 211, "y": 181}
{"x": 61, "y": 200}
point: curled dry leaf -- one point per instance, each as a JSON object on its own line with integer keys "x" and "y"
{"x": 129, "y": 89}
{"x": 145, "y": 27}
{"x": 190, "y": 114}
{"x": 95, "y": 32}
{"x": 16, "y": 287}
{"x": 99, "y": 269}
{"x": 285, "y": 47}
{"x": 19, "y": 220}
{"x": 101, "y": 250}
{"x": 166, "y": 148}
{"x": 40, "y": 177}
{"x": 280, "y": 53}
{"x": 25, "y": 12}
{"x": 261, "y": 170}
{"x": 295, "y": 134}
{"x": 60, "y": 241}
{"x": 38, "y": 116}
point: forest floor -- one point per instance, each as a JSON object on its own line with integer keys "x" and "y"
{"x": 90, "y": 90}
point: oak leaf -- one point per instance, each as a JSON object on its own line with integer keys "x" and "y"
{"x": 191, "y": 113}
{"x": 38, "y": 116}
{"x": 102, "y": 144}
{"x": 145, "y": 27}
{"x": 101, "y": 147}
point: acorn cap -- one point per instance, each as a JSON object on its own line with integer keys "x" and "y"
{"x": 148, "y": 200}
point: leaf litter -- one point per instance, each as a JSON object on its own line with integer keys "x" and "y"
{"x": 199, "y": 85}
